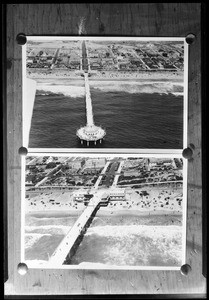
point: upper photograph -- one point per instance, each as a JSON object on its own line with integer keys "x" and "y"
{"x": 100, "y": 92}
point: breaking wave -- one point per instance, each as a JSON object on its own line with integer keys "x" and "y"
{"x": 34, "y": 233}
{"x": 31, "y": 239}
{"x": 47, "y": 229}
{"x": 152, "y": 231}
{"x": 66, "y": 90}
{"x": 126, "y": 245}
{"x": 147, "y": 87}
{"x": 133, "y": 245}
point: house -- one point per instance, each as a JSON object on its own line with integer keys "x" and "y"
{"x": 29, "y": 183}
{"x": 123, "y": 65}
{"x": 96, "y": 66}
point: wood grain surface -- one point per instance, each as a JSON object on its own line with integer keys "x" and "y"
{"x": 134, "y": 19}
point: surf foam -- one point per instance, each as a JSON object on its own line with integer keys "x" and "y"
{"x": 68, "y": 90}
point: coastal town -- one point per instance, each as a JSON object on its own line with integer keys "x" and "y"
{"x": 131, "y": 183}
{"x": 104, "y": 57}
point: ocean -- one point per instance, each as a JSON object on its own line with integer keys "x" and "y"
{"x": 145, "y": 115}
{"x": 131, "y": 245}
{"x": 125, "y": 240}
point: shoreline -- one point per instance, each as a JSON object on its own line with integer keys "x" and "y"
{"x": 154, "y": 75}
{"x": 72, "y": 213}
{"x": 169, "y": 202}
{"x": 75, "y": 81}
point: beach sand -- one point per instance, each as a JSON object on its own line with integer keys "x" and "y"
{"x": 156, "y": 199}
{"x": 39, "y": 74}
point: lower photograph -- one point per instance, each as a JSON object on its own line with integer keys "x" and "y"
{"x": 104, "y": 211}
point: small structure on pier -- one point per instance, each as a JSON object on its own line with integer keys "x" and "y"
{"x": 90, "y": 134}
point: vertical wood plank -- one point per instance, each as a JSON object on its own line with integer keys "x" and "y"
{"x": 10, "y": 146}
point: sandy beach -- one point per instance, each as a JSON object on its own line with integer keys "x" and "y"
{"x": 157, "y": 199}
{"x": 39, "y": 74}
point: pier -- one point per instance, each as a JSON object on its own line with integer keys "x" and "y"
{"x": 71, "y": 241}
{"x": 89, "y": 133}
{"x": 68, "y": 246}
{"x": 97, "y": 197}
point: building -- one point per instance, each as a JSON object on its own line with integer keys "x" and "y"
{"x": 156, "y": 161}
{"x": 29, "y": 183}
{"x": 131, "y": 173}
{"x": 95, "y": 163}
{"x": 117, "y": 194}
{"x": 132, "y": 164}
{"x": 123, "y": 66}
{"x": 50, "y": 159}
{"x": 79, "y": 195}
{"x": 77, "y": 164}
{"x": 29, "y": 60}
{"x": 96, "y": 66}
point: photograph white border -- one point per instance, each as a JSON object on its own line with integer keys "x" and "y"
{"x": 110, "y": 38}
{"x": 69, "y": 267}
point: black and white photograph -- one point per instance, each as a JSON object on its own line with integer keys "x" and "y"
{"x": 104, "y": 211}
{"x": 100, "y": 92}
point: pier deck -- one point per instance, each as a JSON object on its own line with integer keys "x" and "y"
{"x": 90, "y": 132}
{"x": 89, "y": 110}
{"x": 60, "y": 254}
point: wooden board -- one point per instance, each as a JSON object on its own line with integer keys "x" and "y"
{"x": 142, "y": 19}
